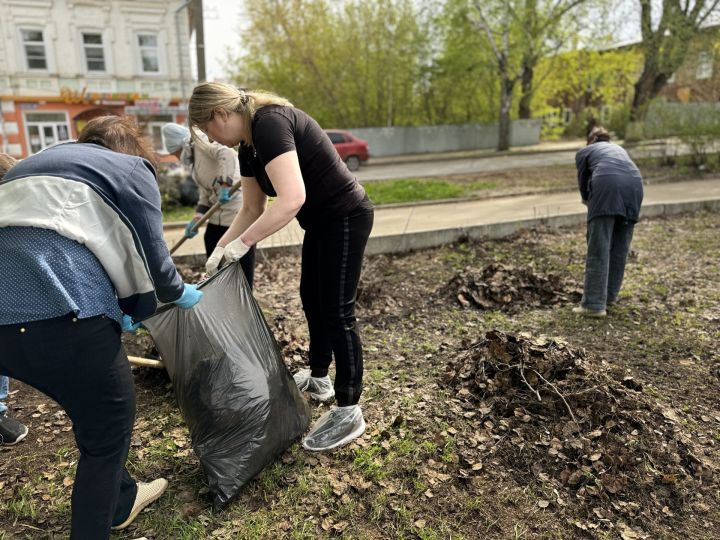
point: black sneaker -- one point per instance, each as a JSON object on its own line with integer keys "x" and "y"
{"x": 11, "y": 431}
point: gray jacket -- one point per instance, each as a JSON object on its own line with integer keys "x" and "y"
{"x": 609, "y": 181}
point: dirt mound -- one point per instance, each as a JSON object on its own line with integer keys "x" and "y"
{"x": 380, "y": 293}
{"x": 503, "y": 287}
{"x": 575, "y": 433}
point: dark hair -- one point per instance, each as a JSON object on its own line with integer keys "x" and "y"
{"x": 119, "y": 134}
{"x": 598, "y": 134}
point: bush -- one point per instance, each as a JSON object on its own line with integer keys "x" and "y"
{"x": 619, "y": 120}
{"x": 170, "y": 177}
{"x": 696, "y": 125}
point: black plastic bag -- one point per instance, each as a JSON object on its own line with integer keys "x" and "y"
{"x": 237, "y": 397}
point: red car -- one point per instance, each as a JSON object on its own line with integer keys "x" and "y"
{"x": 353, "y": 151}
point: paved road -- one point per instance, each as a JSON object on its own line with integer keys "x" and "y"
{"x": 486, "y": 163}
{"x": 463, "y": 166}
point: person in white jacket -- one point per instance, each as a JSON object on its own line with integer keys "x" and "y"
{"x": 214, "y": 168}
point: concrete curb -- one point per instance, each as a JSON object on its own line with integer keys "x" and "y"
{"x": 400, "y": 243}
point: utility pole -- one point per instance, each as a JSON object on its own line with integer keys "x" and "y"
{"x": 197, "y": 16}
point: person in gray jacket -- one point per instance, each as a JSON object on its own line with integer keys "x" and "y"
{"x": 214, "y": 168}
{"x": 612, "y": 188}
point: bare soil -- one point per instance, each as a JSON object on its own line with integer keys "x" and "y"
{"x": 492, "y": 410}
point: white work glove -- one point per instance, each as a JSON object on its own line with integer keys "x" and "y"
{"x": 236, "y": 250}
{"x": 213, "y": 262}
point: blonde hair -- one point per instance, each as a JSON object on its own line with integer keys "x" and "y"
{"x": 209, "y": 97}
{"x": 6, "y": 163}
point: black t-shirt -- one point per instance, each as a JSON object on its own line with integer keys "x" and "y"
{"x": 331, "y": 190}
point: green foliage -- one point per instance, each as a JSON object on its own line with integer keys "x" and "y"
{"x": 696, "y": 125}
{"x": 462, "y": 81}
{"x": 349, "y": 64}
{"x": 584, "y": 80}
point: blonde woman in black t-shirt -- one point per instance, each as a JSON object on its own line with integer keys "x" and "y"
{"x": 284, "y": 153}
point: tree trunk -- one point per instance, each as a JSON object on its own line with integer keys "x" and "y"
{"x": 526, "y": 83}
{"x": 506, "y": 90}
{"x": 646, "y": 88}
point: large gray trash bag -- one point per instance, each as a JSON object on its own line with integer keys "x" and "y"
{"x": 237, "y": 397}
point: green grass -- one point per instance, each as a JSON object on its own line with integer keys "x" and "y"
{"x": 178, "y": 213}
{"x": 406, "y": 190}
{"x": 403, "y": 190}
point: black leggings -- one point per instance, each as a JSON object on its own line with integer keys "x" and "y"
{"x": 332, "y": 256}
{"x": 213, "y": 233}
{"x": 82, "y": 365}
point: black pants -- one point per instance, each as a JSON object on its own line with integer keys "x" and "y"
{"x": 332, "y": 257}
{"x": 213, "y": 233}
{"x": 82, "y": 365}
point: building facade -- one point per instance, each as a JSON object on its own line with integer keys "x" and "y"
{"x": 63, "y": 62}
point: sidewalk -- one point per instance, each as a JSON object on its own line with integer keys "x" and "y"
{"x": 544, "y": 147}
{"x": 400, "y": 228}
{"x": 571, "y": 145}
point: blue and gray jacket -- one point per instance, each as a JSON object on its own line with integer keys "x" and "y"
{"x": 107, "y": 201}
{"x": 609, "y": 181}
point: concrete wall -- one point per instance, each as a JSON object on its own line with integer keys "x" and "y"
{"x": 391, "y": 141}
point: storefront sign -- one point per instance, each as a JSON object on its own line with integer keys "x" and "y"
{"x": 68, "y": 95}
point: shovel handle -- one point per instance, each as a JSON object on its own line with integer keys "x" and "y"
{"x": 203, "y": 219}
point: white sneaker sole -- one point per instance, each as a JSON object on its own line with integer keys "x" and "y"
{"x": 349, "y": 438}
{"x": 20, "y": 438}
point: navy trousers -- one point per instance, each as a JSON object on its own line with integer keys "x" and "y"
{"x": 81, "y": 364}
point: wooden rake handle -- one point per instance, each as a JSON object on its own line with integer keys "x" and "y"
{"x": 203, "y": 219}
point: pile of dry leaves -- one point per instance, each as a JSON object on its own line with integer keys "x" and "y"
{"x": 503, "y": 287}
{"x": 580, "y": 437}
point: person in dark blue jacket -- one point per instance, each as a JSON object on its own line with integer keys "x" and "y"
{"x": 84, "y": 255}
{"x": 612, "y": 188}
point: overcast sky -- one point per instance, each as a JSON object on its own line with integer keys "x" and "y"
{"x": 222, "y": 21}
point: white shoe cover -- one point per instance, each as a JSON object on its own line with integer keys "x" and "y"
{"x": 335, "y": 428}
{"x": 320, "y": 388}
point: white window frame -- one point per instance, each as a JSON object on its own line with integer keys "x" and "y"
{"x": 158, "y": 51}
{"x": 52, "y": 124}
{"x": 704, "y": 69}
{"x": 101, "y": 46}
{"x": 23, "y": 43}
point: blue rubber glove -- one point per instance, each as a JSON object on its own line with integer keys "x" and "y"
{"x": 189, "y": 298}
{"x": 224, "y": 195}
{"x": 128, "y": 325}
{"x": 188, "y": 232}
